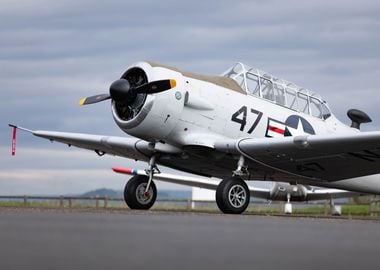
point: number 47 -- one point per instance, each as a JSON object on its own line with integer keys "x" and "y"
{"x": 242, "y": 120}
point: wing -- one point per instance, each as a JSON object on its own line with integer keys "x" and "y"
{"x": 263, "y": 193}
{"x": 317, "y": 157}
{"x": 330, "y": 193}
{"x": 118, "y": 146}
{"x": 138, "y": 149}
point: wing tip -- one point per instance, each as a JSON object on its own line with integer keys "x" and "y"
{"x": 20, "y": 128}
{"x": 124, "y": 170}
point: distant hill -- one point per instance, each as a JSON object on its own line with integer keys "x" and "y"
{"x": 102, "y": 192}
{"x": 162, "y": 194}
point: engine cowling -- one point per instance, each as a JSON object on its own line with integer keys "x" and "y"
{"x": 150, "y": 116}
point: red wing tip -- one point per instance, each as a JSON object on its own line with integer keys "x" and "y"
{"x": 124, "y": 170}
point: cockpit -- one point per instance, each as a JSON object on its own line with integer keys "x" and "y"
{"x": 263, "y": 85}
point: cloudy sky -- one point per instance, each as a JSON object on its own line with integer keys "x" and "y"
{"x": 52, "y": 53}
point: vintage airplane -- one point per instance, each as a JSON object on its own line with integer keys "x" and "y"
{"x": 242, "y": 125}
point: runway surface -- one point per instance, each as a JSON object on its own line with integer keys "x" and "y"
{"x": 54, "y": 239}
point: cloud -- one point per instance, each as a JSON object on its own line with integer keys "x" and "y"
{"x": 52, "y": 53}
{"x": 60, "y": 171}
{"x": 59, "y": 182}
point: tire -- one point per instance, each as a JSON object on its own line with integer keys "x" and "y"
{"x": 232, "y": 196}
{"x": 134, "y": 193}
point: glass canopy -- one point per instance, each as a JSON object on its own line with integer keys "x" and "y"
{"x": 264, "y": 85}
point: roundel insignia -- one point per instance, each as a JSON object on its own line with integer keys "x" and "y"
{"x": 296, "y": 125}
{"x": 178, "y": 95}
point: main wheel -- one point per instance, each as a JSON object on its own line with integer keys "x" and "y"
{"x": 232, "y": 196}
{"x": 135, "y": 195}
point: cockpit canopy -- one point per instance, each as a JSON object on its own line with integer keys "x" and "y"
{"x": 261, "y": 84}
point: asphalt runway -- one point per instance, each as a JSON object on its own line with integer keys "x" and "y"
{"x": 56, "y": 239}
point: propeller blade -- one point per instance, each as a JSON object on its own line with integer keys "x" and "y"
{"x": 94, "y": 99}
{"x": 155, "y": 87}
{"x": 122, "y": 93}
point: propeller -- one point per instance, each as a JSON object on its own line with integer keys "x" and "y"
{"x": 94, "y": 99}
{"x": 122, "y": 92}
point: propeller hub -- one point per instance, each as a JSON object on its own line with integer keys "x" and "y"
{"x": 120, "y": 91}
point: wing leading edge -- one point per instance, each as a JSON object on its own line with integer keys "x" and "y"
{"x": 132, "y": 148}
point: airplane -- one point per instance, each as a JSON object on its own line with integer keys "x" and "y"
{"x": 242, "y": 125}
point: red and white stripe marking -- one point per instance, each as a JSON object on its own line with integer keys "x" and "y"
{"x": 275, "y": 129}
{"x": 125, "y": 170}
{"x": 14, "y": 141}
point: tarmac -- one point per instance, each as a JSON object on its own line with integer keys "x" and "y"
{"x": 80, "y": 239}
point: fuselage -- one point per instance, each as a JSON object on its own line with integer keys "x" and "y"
{"x": 202, "y": 109}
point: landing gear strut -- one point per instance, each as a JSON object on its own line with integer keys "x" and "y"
{"x": 140, "y": 192}
{"x": 336, "y": 210}
{"x": 288, "y": 208}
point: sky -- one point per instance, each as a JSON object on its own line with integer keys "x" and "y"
{"x": 52, "y": 53}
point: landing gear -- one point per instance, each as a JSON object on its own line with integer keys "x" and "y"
{"x": 140, "y": 192}
{"x": 336, "y": 210}
{"x": 136, "y": 194}
{"x": 232, "y": 195}
{"x": 288, "y": 208}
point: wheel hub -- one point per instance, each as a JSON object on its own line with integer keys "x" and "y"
{"x": 237, "y": 196}
{"x": 142, "y": 196}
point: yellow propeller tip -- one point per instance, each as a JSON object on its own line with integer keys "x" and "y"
{"x": 173, "y": 83}
{"x": 82, "y": 101}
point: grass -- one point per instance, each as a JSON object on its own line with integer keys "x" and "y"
{"x": 28, "y": 204}
{"x": 355, "y": 210}
{"x": 48, "y": 205}
{"x": 314, "y": 210}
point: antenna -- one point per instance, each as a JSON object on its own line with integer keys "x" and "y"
{"x": 358, "y": 117}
